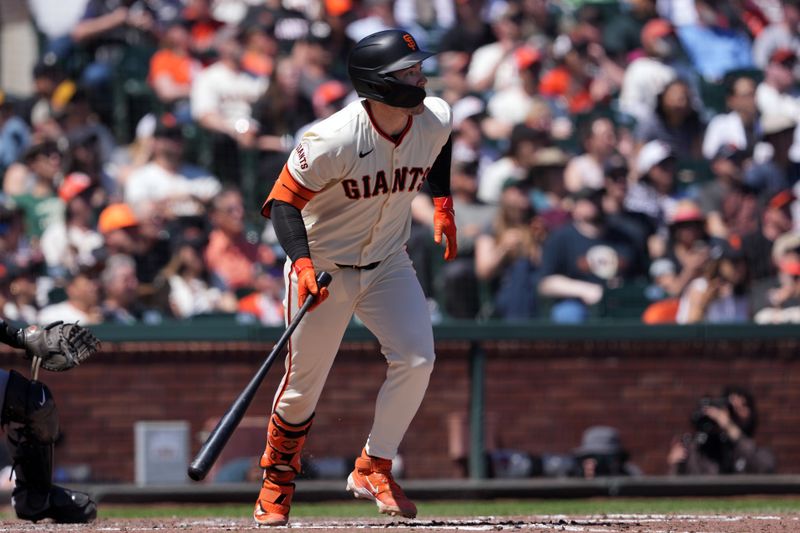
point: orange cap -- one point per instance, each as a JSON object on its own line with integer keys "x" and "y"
{"x": 338, "y": 8}
{"x": 782, "y": 55}
{"x": 116, "y": 216}
{"x": 790, "y": 266}
{"x": 329, "y": 92}
{"x": 526, "y": 56}
{"x": 73, "y": 185}
{"x": 656, "y": 29}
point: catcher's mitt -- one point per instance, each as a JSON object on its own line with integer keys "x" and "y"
{"x": 58, "y": 346}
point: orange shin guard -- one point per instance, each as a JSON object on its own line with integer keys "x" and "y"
{"x": 281, "y": 463}
{"x": 284, "y": 443}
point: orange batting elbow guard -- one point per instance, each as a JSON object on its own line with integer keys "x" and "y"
{"x": 307, "y": 282}
{"x": 444, "y": 222}
{"x": 286, "y": 189}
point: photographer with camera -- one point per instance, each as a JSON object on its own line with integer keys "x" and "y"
{"x": 722, "y": 441}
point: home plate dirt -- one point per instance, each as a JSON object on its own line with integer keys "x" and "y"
{"x": 587, "y": 524}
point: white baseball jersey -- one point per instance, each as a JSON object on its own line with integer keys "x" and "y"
{"x": 364, "y": 180}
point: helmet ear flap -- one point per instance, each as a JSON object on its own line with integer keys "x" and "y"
{"x": 398, "y": 94}
{"x": 382, "y": 88}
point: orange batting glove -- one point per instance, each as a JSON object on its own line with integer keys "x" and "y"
{"x": 444, "y": 222}
{"x": 307, "y": 282}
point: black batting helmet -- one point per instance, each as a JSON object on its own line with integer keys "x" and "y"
{"x": 375, "y": 56}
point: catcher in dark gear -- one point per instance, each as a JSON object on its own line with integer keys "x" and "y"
{"x": 29, "y": 416}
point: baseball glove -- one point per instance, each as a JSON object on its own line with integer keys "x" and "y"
{"x": 59, "y": 346}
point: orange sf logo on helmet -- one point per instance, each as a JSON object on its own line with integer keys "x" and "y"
{"x": 410, "y": 41}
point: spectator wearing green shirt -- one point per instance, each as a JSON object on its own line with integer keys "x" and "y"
{"x": 39, "y": 201}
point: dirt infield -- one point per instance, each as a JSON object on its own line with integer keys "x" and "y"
{"x": 588, "y": 524}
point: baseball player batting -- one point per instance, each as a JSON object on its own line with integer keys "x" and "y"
{"x": 343, "y": 204}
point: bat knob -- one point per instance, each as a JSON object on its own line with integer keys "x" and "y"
{"x": 197, "y": 474}
{"x": 323, "y": 279}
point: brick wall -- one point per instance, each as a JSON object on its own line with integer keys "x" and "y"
{"x": 540, "y": 395}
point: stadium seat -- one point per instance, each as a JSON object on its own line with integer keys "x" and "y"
{"x": 693, "y": 171}
{"x": 626, "y": 301}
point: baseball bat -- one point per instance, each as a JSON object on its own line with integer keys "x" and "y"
{"x": 218, "y": 438}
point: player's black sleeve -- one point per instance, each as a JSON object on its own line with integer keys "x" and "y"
{"x": 290, "y": 229}
{"x": 11, "y": 335}
{"x": 439, "y": 176}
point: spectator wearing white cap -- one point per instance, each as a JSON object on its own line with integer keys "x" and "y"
{"x": 773, "y": 167}
{"x": 469, "y": 136}
{"x": 653, "y": 196}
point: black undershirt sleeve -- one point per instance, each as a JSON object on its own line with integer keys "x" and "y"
{"x": 290, "y": 229}
{"x": 439, "y": 175}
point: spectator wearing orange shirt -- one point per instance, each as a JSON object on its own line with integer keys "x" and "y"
{"x": 260, "y": 49}
{"x": 172, "y": 70}
{"x": 265, "y": 303}
{"x": 230, "y": 257}
{"x": 569, "y": 81}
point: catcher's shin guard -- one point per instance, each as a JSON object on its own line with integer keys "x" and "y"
{"x": 31, "y": 404}
{"x": 372, "y": 480}
{"x": 31, "y": 421}
{"x": 281, "y": 463}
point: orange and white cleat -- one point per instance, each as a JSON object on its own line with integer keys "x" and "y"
{"x": 272, "y": 506}
{"x": 372, "y": 480}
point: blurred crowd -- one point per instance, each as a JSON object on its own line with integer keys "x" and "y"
{"x": 631, "y": 159}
